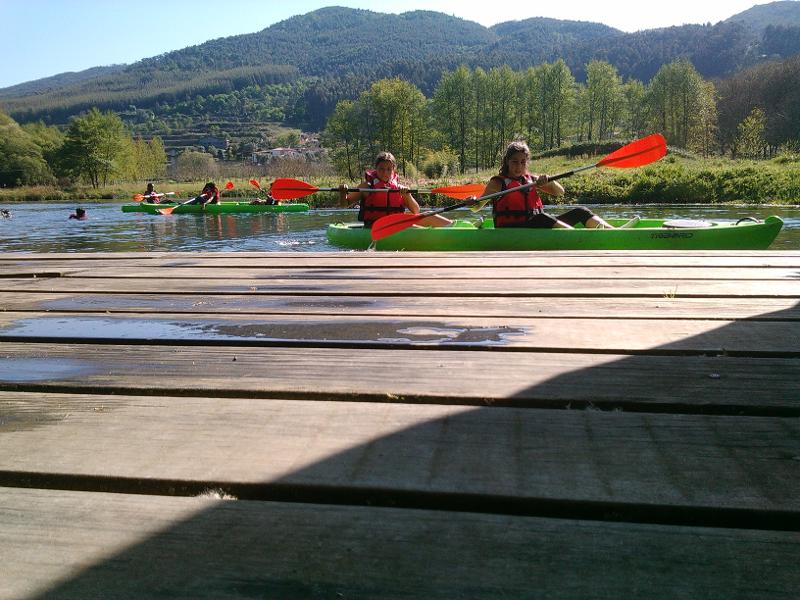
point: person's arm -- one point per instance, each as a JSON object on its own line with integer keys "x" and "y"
{"x": 347, "y": 198}
{"x": 410, "y": 202}
{"x": 491, "y": 188}
{"x": 554, "y": 188}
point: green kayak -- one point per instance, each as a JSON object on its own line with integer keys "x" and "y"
{"x": 647, "y": 234}
{"x": 215, "y": 209}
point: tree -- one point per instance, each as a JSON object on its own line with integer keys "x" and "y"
{"x": 343, "y": 136}
{"x": 750, "y": 139}
{"x": 21, "y": 159}
{"x": 603, "y": 100}
{"x": 453, "y": 105}
{"x": 146, "y": 159}
{"x": 530, "y": 88}
{"x": 192, "y": 165}
{"x": 95, "y": 147}
{"x": 703, "y": 138}
{"x": 556, "y": 101}
{"x": 635, "y": 112}
{"x": 675, "y": 98}
{"x": 395, "y": 110}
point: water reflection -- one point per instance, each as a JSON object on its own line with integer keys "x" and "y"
{"x": 37, "y": 227}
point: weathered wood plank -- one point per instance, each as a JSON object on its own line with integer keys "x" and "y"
{"x": 621, "y": 336}
{"x": 783, "y": 309}
{"x": 390, "y": 272}
{"x": 584, "y": 287}
{"x": 661, "y": 383}
{"x": 691, "y": 257}
{"x": 74, "y": 545}
{"x": 647, "y": 463}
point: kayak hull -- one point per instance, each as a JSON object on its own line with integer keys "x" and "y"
{"x": 215, "y": 209}
{"x": 648, "y": 234}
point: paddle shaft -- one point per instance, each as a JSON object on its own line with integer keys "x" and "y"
{"x": 479, "y": 203}
{"x": 367, "y": 190}
{"x": 484, "y": 199}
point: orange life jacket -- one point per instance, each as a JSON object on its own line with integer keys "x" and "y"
{"x": 515, "y": 208}
{"x": 375, "y": 205}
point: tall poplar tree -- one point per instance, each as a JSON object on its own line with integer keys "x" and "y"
{"x": 453, "y": 106}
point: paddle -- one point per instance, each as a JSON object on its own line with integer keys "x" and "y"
{"x": 287, "y": 189}
{"x": 140, "y": 197}
{"x": 636, "y": 154}
{"x": 168, "y": 210}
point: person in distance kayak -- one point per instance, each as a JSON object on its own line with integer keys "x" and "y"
{"x": 151, "y": 195}
{"x": 209, "y": 195}
{"x": 525, "y": 208}
{"x": 396, "y": 198}
{"x": 79, "y": 214}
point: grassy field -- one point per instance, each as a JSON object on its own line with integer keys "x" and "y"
{"x": 672, "y": 180}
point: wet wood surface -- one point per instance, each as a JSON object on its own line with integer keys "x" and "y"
{"x": 358, "y": 425}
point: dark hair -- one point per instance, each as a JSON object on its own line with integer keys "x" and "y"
{"x": 386, "y": 157}
{"x": 80, "y": 211}
{"x": 150, "y": 186}
{"x": 513, "y": 148}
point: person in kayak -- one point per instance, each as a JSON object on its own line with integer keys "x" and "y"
{"x": 396, "y": 198}
{"x": 151, "y": 195}
{"x": 525, "y": 208}
{"x": 266, "y": 198}
{"x": 79, "y": 214}
{"x": 209, "y": 195}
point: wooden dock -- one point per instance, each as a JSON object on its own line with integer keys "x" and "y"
{"x": 367, "y": 425}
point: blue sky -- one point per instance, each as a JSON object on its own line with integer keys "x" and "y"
{"x": 46, "y": 37}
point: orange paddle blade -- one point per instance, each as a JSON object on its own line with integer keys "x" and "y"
{"x": 288, "y": 189}
{"x": 138, "y": 197}
{"x": 460, "y": 192}
{"x": 229, "y": 185}
{"x": 386, "y": 226}
{"x": 167, "y": 210}
{"x": 255, "y": 184}
{"x": 641, "y": 152}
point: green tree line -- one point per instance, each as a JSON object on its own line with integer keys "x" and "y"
{"x": 96, "y": 149}
{"x": 473, "y": 113}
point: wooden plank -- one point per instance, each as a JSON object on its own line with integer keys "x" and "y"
{"x": 781, "y": 309}
{"x": 584, "y": 287}
{"x": 691, "y": 257}
{"x": 390, "y": 272}
{"x": 620, "y": 336}
{"x": 639, "y": 466}
{"x": 69, "y": 544}
{"x": 766, "y": 386}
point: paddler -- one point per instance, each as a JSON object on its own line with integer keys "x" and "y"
{"x": 525, "y": 208}
{"x": 395, "y": 199}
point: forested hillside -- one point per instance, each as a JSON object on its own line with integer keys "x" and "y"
{"x": 296, "y": 70}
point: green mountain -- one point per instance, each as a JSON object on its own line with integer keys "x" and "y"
{"x": 62, "y": 80}
{"x": 295, "y": 71}
{"x": 785, "y": 13}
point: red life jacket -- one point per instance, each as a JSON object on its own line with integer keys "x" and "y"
{"x": 515, "y": 208}
{"x": 211, "y": 194}
{"x": 375, "y": 205}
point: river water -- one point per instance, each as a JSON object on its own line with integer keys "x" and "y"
{"x": 40, "y": 227}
